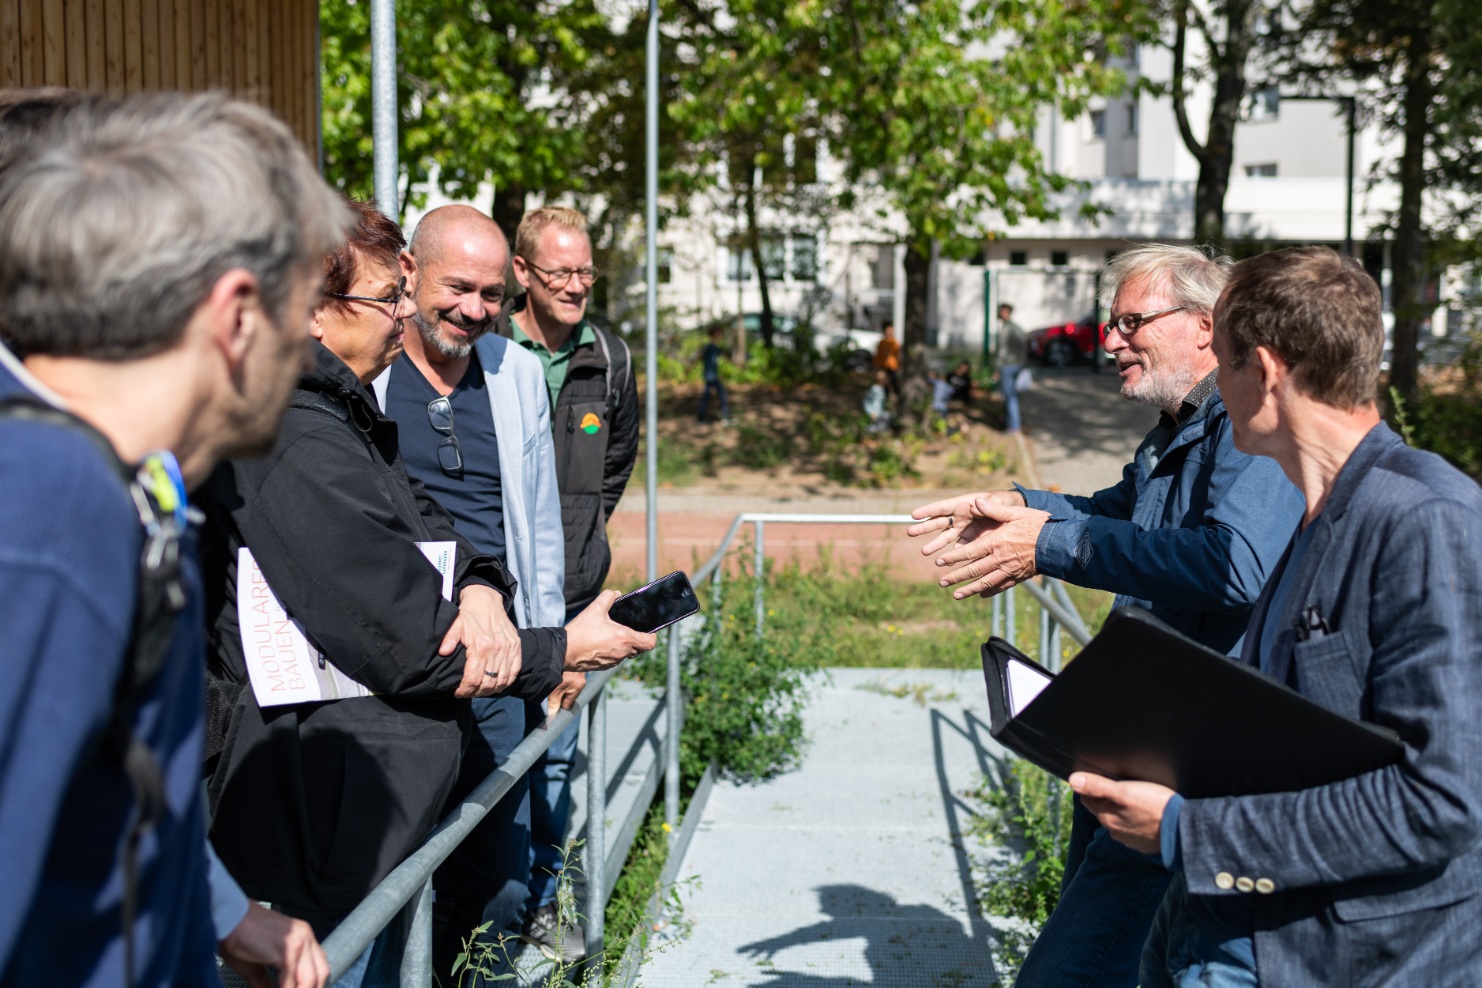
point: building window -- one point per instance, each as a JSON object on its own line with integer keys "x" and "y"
{"x": 1098, "y": 123}
{"x": 666, "y": 265}
{"x": 1018, "y": 258}
{"x": 1132, "y": 119}
{"x": 1267, "y": 170}
{"x": 1265, "y": 104}
{"x": 805, "y": 258}
{"x": 1059, "y": 259}
{"x": 738, "y": 263}
{"x": 774, "y": 257}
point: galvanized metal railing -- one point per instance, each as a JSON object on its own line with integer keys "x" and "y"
{"x": 403, "y": 900}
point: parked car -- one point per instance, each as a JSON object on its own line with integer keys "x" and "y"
{"x": 1067, "y": 343}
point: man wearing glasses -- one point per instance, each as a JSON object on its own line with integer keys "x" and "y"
{"x": 1192, "y": 532}
{"x": 594, "y": 416}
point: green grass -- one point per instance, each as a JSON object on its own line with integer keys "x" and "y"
{"x": 866, "y": 616}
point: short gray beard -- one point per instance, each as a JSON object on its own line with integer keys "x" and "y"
{"x": 434, "y": 339}
{"x": 1161, "y": 390}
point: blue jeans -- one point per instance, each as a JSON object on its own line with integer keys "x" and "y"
{"x": 1179, "y": 954}
{"x": 720, "y": 389}
{"x": 1108, "y": 899}
{"x": 550, "y": 808}
{"x": 1008, "y": 387}
{"x": 484, "y": 878}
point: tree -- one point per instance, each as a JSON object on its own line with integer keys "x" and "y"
{"x": 1226, "y": 58}
{"x": 1414, "y": 64}
{"x": 480, "y": 87}
{"x": 934, "y": 106}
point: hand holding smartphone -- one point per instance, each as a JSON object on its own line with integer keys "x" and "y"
{"x": 657, "y": 605}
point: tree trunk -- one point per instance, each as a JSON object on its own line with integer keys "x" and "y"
{"x": 1408, "y": 253}
{"x": 754, "y": 244}
{"x": 509, "y": 207}
{"x": 1217, "y": 152}
{"x": 914, "y": 385}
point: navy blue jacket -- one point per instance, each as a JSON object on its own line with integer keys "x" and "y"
{"x": 1373, "y": 880}
{"x": 69, "y": 564}
{"x": 1191, "y": 534}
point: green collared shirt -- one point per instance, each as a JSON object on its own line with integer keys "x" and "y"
{"x": 556, "y": 364}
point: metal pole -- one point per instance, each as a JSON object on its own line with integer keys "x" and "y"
{"x": 1044, "y": 638}
{"x": 671, "y": 739}
{"x": 651, "y": 333}
{"x": 1351, "y": 105}
{"x": 1008, "y": 605}
{"x": 761, "y": 566}
{"x": 383, "y": 106}
{"x": 416, "y": 960}
{"x": 997, "y": 631}
{"x": 596, "y": 856}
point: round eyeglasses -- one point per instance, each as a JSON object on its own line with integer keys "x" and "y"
{"x": 1130, "y": 322}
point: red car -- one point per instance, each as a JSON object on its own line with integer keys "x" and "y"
{"x": 1063, "y": 345}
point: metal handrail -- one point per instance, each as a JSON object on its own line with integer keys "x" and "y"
{"x": 407, "y": 891}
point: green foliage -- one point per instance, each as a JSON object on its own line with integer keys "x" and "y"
{"x": 761, "y": 449}
{"x": 1031, "y": 811}
{"x": 1448, "y": 419}
{"x": 746, "y": 702}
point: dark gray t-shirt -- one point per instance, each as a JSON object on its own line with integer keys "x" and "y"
{"x": 474, "y": 497}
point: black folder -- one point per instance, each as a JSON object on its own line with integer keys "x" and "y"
{"x": 1144, "y": 702}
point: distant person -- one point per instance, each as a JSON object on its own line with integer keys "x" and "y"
{"x": 1011, "y": 354}
{"x": 594, "y": 417}
{"x": 888, "y": 358}
{"x": 874, "y": 403}
{"x": 710, "y": 369}
{"x": 1373, "y": 613}
{"x": 961, "y": 380}
{"x": 1192, "y": 533}
{"x": 157, "y": 263}
{"x": 941, "y": 393}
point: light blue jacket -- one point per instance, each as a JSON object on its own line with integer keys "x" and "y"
{"x": 535, "y": 546}
{"x": 1192, "y": 534}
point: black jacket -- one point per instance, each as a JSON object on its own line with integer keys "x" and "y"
{"x": 314, "y": 803}
{"x": 592, "y": 467}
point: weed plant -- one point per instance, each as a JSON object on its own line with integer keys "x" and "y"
{"x": 1031, "y": 811}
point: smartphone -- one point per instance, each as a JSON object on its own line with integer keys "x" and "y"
{"x": 656, "y": 606}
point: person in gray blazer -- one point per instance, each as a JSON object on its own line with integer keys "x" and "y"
{"x": 1374, "y": 613}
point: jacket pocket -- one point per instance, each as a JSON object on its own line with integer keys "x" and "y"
{"x": 1327, "y": 673}
{"x": 1399, "y": 895}
{"x": 582, "y": 456}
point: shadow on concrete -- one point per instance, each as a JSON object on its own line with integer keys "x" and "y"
{"x": 904, "y": 945}
{"x": 1081, "y": 427}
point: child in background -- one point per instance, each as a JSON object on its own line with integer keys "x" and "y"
{"x": 874, "y": 403}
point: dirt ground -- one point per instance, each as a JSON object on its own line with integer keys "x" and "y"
{"x": 809, "y": 441}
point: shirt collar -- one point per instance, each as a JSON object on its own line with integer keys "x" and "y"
{"x": 1193, "y": 401}
{"x": 582, "y": 336}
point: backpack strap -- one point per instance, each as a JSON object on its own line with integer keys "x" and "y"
{"x": 615, "y": 394}
{"x": 161, "y": 598}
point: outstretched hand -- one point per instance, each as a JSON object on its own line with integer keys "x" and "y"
{"x": 986, "y": 541}
{"x": 1132, "y": 812}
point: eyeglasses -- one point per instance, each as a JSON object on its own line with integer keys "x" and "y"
{"x": 449, "y": 453}
{"x": 393, "y": 299}
{"x": 561, "y": 277}
{"x": 1130, "y": 322}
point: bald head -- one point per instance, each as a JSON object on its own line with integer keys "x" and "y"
{"x": 456, "y": 267}
{"x": 457, "y": 229}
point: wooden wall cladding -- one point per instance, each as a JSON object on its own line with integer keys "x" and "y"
{"x": 265, "y": 51}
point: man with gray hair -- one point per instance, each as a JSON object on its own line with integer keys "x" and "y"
{"x": 1192, "y": 532}
{"x": 158, "y": 262}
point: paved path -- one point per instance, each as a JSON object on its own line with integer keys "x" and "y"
{"x": 851, "y": 870}
{"x": 1080, "y": 430}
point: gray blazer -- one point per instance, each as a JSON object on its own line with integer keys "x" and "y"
{"x": 1373, "y": 880}
{"x": 535, "y": 545}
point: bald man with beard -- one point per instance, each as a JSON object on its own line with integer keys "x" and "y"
{"x": 474, "y": 427}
